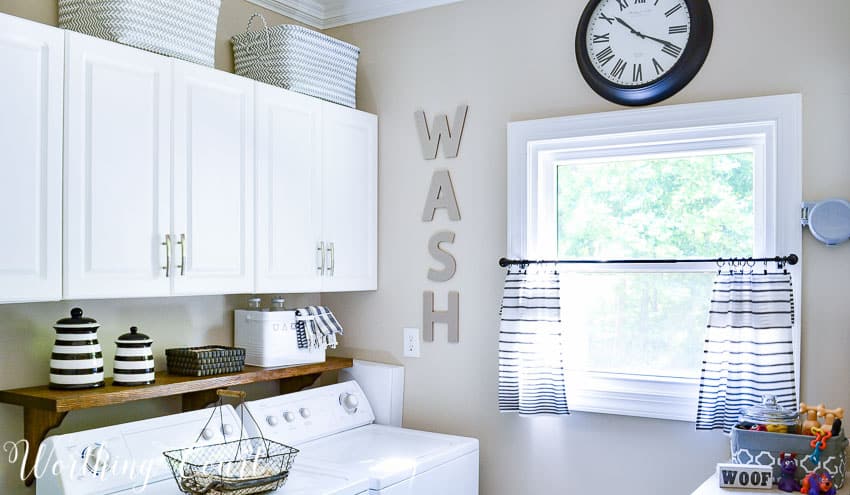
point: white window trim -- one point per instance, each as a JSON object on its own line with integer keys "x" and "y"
{"x": 533, "y": 146}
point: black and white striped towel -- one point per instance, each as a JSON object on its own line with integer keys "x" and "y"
{"x": 531, "y": 367}
{"x": 748, "y": 350}
{"x": 316, "y": 327}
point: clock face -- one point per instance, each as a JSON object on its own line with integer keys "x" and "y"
{"x": 636, "y": 42}
{"x": 638, "y": 52}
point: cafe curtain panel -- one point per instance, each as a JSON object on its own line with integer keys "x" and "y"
{"x": 748, "y": 350}
{"x": 531, "y": 366}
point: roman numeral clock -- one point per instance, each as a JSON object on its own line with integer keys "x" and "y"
{"x": 639, "y": 52}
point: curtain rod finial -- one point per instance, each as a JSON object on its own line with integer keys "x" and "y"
{"x": 504, "y": 262}
{"x": 793, "y": 259}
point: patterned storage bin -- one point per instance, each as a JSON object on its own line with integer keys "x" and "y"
{"x": 763, "y": 448}
{"x": 299, "y": 59}
{"x": 183, "y": 29}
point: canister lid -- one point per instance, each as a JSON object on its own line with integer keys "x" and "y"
{"x": 134, "y": 337}
{"x": 768, "y": 412}
{"x": 76, "y": 319}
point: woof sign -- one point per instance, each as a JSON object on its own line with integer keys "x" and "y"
{"x": 745, "y": 476}
{"x": 441, "y": 196}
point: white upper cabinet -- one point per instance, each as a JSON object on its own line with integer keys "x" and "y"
{"x": 289, "y": 247}
{"x": 350, "y": 211}
{"x": 31, "y": 56}
{"x": 117, "y": 170}
{"x": 164, "y": 178}
{"x": 213, "y": 208}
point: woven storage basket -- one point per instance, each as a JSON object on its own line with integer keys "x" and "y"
{"x": 183, "y": 29}
{"x": 205, "y": 361}
{"x": 299, "y": 59}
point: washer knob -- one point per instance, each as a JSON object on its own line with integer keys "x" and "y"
{"x": 227, "y": 430}
{"x": 96, "y": 458}
{"x": 349, "y": 402}
{"x": 207, "y": 434}
{"x": 305, "y": 413}
{"x": 288, "y": 416}
{"x": 272, "y": 420}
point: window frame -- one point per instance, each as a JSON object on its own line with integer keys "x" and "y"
{"x": 772, "y": 123}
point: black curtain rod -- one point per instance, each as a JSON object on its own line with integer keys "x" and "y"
{"x": 791, "y": 259}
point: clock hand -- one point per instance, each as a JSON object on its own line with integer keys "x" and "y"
{"x": 645, "y": 36}
{"x": 633, "y": 30}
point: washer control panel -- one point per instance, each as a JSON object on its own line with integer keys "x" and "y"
{"x": 310, "y": 414}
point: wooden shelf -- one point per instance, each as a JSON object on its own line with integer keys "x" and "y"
{"x": 44, "y": 408}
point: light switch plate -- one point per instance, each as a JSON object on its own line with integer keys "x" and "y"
{"x": 411, "y": 342}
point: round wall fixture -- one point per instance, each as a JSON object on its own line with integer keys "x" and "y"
{"x": 828, "y": 220}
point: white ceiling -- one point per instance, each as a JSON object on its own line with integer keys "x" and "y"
{"x": 325, "y": 14}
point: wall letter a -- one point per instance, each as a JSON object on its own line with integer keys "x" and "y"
{"x": 440, "y": 133}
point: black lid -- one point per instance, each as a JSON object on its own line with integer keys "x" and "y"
{"x": 76, "y": 318}
{"x": 133, "y": 336}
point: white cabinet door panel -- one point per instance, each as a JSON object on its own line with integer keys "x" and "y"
{"x": 350, "y": 198}
{"x": 213, "y": 181}
{"x": 289, "y": 201}
{"x": 32, "y": 58}
{"x": 117, "y": 170}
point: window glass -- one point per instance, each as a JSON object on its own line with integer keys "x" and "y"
{"x": 698, "y": 205}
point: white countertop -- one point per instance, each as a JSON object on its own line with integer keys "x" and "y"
{"x": 710, "y": 487}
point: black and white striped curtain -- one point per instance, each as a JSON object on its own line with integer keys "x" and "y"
{"x": 531, "y": 366}
{"x": 748, "y": 349}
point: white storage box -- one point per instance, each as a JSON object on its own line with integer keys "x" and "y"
{"x": 270, "y": 339}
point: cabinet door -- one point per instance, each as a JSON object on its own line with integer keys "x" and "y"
{"x": 31, "y": 56}
{"x": 289, "y": 202}
{"x": 213, "y": 207}
{"x": 350, "y": 168}
{"x": 117, "y": 170}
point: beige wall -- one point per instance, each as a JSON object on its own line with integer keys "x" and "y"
{"x": 514, "y": 61}
{"x": 232, "y": 20}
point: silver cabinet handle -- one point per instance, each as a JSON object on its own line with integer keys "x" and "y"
{"x": 167, "y": 245}
{"x": 320, "y": 261}
{"x": 182, "y": 265}
{"x": 332, "y": 263}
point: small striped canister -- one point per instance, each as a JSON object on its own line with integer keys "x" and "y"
{"x": 133, "y": 359}
{"x": 77, "y": 358}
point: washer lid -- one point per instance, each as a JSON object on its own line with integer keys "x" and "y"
{"x": 828, "y": 220}
{"x": 386, "y": 454}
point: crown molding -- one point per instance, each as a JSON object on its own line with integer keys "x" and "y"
{"x": 326, "y": 14}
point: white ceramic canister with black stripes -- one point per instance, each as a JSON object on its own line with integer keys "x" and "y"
{"x": 133, "y": 359}
{"x": 77, "y": 358}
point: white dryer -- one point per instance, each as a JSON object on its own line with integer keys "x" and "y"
{"x": 333, "y": 427}
{"x": 127, "y": 458}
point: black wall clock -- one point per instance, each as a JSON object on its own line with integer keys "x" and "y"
{"x": 638, "y": 52}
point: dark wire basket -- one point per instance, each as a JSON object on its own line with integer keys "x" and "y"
{"x": 249, "y": 465}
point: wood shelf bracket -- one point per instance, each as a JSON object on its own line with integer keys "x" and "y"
{"x": 37, "y": 423}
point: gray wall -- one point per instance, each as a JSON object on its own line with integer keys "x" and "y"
{"x": 513, "y": 61}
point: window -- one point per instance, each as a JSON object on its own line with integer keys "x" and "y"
{"x": 690, "y": 181}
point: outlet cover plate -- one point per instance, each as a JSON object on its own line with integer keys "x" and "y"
{"x": 411, "y": 342}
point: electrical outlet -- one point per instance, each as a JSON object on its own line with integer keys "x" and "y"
{"x": 411, "y": 342}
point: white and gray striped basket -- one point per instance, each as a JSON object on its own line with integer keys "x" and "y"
{"x": 299, "y": 59}
{"x": 183, "y": 29}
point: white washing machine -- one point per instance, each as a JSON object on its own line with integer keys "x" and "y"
{"x": 333, "y": 427}
{"x": 127, "y": 458}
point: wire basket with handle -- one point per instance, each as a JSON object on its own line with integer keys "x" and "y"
{"x": 249, "y": 465}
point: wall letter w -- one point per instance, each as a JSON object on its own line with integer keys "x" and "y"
{"x": 440, "y": 133}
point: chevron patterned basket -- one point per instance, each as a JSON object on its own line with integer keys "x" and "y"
{"x": 183, "y": 29}
{"x": 299, "y": 59}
